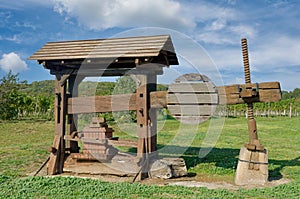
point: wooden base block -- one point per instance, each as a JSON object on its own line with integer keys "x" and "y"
{"x": 252, "y": 167}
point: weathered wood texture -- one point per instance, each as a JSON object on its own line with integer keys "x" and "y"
{"x": 56, "y": 161}
{"x": 72, "y": 119}
{"x": 54, "y": 156}
{"x": 192, "y": 102}
{"x": 146, "y": 46}
{"x": 102, "y": 104}
{"x": 267, "y": 92}
{"x": 119, "y": 142}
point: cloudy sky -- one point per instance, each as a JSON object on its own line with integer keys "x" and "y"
{"x": 216, "y": 26}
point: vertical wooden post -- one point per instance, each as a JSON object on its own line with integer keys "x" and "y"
{"x": 142, "y": 114}
{"x": 72, "y": 119}
{"x": 57, "y": 155}
{"x": 152, "y": 139}
{"x": 146, "y": 121}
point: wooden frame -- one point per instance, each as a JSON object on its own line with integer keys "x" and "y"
{"x": 69, "y": 61}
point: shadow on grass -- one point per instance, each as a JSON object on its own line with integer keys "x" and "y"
{"x": 275, "y": 174}
{"x": 226, "y": 158}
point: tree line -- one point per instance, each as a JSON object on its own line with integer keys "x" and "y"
{"x": 19, "y": 100}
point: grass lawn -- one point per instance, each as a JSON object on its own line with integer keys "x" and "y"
{"x": 23, "y": 148}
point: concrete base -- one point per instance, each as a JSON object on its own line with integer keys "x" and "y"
{"x": 252, "y": 167}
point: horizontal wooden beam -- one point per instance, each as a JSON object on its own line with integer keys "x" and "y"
{"x": 267, "y": 92}
{"x": 102, "y": 104}
{"x": 192, "y": 110}
{"x": 119, "y": 142}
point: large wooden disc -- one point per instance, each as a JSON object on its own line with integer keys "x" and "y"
{"x": 192, "y": 98}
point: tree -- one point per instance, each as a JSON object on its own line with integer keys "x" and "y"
{"x": 9, "y": 96}
{"x": 125, "y": 85}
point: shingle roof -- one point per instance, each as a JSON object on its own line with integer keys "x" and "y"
{"x": 131, "y": 47}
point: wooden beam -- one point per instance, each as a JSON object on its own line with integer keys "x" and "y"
{"x": 119, "y": 142}
{"x": 267, "y": 92}
{"x": 102, "y": 104}
{"x": 73, "y": 83}
{"x": 56, "y": 161}
{"x": 205, "y": 87}
{"x": 54, "y": 156}
{"x": 193, "y": 98}
{"x": 192, "y": 110}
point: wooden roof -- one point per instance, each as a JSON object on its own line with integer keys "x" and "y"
{"x": 132, "y": 47}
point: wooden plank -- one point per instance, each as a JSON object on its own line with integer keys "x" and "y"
{"x": 205, "y": 87}
{"x": 175, "y": 98}
{"x": 192, "y": 110}
{"x": 123, "y": 142}
{"x": 99, "y": 52}
{"x": 119, "y": 142}
{"x": 235, "y": 88}
{"x": 72, "y": 118}
{"x": 83, "y": 56}
{"x": 61, "y": 125}
{"x": 99, "y": 47}
{"x": 159, "y": 99}
{"x": 101, "y": 104}
{"x": 141, "y": 39}
{"x": 139, "y": 46}
{"x": 272, "y": 95}
{"x": 54, "y": 156}
{"x": 192, "y": 119}
{"x": 268, "y": 92}
{"x": 142, "y": 114}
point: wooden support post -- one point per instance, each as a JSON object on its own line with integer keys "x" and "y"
{"x": 146, "y": 121}
{"x": 142, "y": 113}
{"x": 146, "y": 117}
{"x": 57, "y": 157}
{"x": 73, "y": 83}
{"x": 152, "y": 139}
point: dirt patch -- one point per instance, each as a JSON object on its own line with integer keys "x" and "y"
{"x": 225, "y": 185}
{"x": 102, "y": 172}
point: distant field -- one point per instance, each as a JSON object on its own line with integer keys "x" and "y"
{"x": 23, "y": 148}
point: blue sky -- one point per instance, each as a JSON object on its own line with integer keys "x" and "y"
{"x": 271, "y": 27}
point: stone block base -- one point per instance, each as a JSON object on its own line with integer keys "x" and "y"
{"x": 252, "y": 167}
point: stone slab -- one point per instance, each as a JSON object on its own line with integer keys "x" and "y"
{"x": 252, "y": 167}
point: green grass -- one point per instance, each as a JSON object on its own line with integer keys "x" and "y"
{"x": 23, "y": 149}
{"x": 23, "y": 146}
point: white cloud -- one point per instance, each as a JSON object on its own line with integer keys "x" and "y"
{"x": 13, "y": 39}
{"x": 244, "y": 31}
{"x": 212, "y": 22}
{"x": 205, "y": 12}
{"x": 214, "y": 38}
{"x": 277, "y": 50}
{"x": 12, "y": 62}
{"x": 25, "y": 25}
{"x": 126, "y": 13}
{"x": 218, "y": 24}
{"x": 265, "y": 53}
